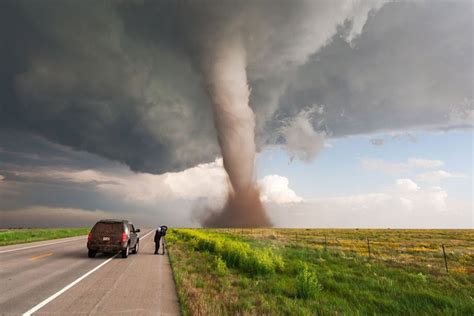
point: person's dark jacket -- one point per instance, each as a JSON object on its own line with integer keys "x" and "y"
{"x": 157, "y": 236}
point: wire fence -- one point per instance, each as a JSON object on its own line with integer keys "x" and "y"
{"x": 447, "y": 251}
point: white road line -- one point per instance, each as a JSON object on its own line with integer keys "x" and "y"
{"x": 151, "y": 231}
{"x": 67, "y": 287}
{"x": 70, "y": 285}
{"x": 42, "y": 245}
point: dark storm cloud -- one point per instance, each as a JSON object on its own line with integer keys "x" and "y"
{"x": 23, "y": 153}
{"x": 411, "y": 67}
{"x": 120, "y": 78}
{"x": 92, "y": 80}
{"x": 26, "y": 149}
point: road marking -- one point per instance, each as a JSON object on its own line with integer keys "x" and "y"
{"x": 151, "y": 231}
{"x": 41, "y": 256}
{"x": 34, "y": 309}
{"x": 67, "y": 287}
{"x": 42, "y": 245}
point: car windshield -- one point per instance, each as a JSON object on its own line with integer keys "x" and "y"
{"x": 108, "y": 228}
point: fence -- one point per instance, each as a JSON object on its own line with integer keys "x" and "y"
{"x": 436, "y": 249}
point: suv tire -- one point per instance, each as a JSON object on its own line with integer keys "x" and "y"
{"x": 137, "y": 246}
{"x": 91, "y": 253}
{"x": 126, "y": 251}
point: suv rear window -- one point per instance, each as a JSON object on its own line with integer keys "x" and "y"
{"x": 108, "y": 228}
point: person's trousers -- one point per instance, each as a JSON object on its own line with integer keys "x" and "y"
{"x": 157, "y": 246}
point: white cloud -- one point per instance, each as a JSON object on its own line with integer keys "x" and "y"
{"x": 404, "y": 205}
{"x": 424, "y": 163}
{"x": 399, "y": 168}
{"x": 204, "y": 181}
{"x": 390, "y": 168}
{"x": 438, "y": 176}
{"x": 414, "y": 197}
{"x": 404, "y": 195}
{"x": 405, "y": 185}
{"x": 274, "y": 188}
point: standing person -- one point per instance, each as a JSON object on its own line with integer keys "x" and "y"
{"x": 157, "y": 240}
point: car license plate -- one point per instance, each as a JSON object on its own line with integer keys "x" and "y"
{"x": 106, "y": 238}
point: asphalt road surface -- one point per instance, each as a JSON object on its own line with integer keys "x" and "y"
{"x": 56, "y": 277}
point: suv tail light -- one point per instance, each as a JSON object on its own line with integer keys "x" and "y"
{"x": 89, "y": 237}
{"x": 124, "y": 237}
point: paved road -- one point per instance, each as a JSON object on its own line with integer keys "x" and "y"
{"x": 32, "y": 273}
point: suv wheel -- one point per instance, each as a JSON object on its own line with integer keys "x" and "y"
{"x": 137, "y": 246}
{"x": 91, "y": 253}
{"x": 125, "y": 252}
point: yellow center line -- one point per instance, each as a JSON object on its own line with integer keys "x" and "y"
{"x": 41, "y": 256}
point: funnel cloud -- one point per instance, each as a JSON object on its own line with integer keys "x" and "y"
{"x": 225, "y": 76}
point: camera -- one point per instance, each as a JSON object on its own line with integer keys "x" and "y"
{"x": 163, "y": 230}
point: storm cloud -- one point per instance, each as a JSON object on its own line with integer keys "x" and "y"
{"x": 121, "y": 79}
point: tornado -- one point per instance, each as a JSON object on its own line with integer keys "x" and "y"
{"x": 225, "y": 77}
{"x": 229, "y": 41}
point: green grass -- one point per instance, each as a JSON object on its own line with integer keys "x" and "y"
{"x": 319, "y": 280}
{"x": 236, "y": 254}
{"x": 307, "y": 284}
{"x": 19, "y": 236}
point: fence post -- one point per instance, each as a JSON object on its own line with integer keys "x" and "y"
{"x": 445, "y": 259}
{"x": 325, "y": 242}
{"x": 368, "y": 246}
{"x": 296, "y": 236}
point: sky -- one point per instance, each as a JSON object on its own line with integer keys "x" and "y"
{"x": 364, "y": 111}
{"x": 416, "y": 179}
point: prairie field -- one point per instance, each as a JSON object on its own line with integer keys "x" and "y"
{"x": 26, "y": 235}
{"x": 323, "y": 271}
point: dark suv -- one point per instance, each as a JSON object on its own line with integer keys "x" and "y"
{"x": 112, "y": 236}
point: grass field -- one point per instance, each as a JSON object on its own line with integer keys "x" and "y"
{"x": 323, "y": 271}
{"x": 19, "y": 236}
